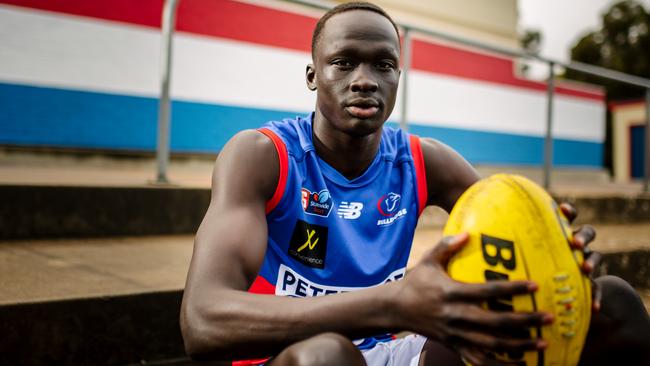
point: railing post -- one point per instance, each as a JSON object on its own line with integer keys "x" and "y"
{"x": 646, "y": 174}
{"x": 164, "y": 107}
{"x": 406, "y": 66}
{"x": 548, "y": 138}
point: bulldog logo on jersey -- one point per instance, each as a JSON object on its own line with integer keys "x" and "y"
{"x": 316, "y": 203}
{"x": 388, "y": 206}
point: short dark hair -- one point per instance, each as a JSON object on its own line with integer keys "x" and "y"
{"x": 355, "y": 5}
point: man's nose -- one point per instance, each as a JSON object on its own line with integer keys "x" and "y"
{"x": 363, "y": 80}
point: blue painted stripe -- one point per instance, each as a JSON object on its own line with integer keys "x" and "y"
{"x": 67, "y": 118}
{"x": 38, "y": 116}
{"x": 482, "y": 147}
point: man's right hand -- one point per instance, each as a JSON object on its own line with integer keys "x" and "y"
{"x": 433, "y": 304}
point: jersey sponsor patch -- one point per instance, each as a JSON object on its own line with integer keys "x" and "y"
{"x": 350, "y": 210}
{"x": 316, "y": 203}
{"x": 290, "y": 283}
{"x": 309, "y": 244}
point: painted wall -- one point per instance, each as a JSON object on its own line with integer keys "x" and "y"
{"x": 493, "y": 21}
{"x": 77, "y": 73}
{"x": 626, "y": 116}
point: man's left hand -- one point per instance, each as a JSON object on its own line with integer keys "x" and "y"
{"x": 582, "y": 237}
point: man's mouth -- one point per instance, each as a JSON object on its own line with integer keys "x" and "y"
{"x": 365, "y": 108}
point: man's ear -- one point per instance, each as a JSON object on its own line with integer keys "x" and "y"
{"x": 310, "y": 74}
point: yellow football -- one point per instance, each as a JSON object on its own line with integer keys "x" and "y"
{"x": 517, "y": 232}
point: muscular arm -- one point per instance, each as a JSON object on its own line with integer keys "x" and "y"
{"x": 448, "y": 173}
{"x": 219, "y": 319}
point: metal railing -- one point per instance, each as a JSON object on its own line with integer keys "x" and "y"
{"x": 408, "y": 29}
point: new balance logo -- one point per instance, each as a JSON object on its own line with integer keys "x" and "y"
{"x": 350, "y": 210}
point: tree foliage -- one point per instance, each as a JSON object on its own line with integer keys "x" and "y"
{"x": 622, "y": 44}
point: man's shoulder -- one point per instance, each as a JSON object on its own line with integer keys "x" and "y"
{"x": 288, "y": 125}
{"x": 294, "y": 133}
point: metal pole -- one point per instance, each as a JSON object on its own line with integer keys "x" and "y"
{"x": 646, "y": 175}
{"x": 548, "y": 139}
{"x": 406, "y": 66}
{"x": 164, "y": 107}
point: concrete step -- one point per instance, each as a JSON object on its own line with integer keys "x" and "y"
{"x": 30, "y": 212}
{"x": 47, "y": 193}
{"x": 45, "y": 211}
{"x": 116, "y": 301}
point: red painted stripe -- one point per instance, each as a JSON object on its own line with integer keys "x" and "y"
{"x": 446, "y": 60}
{"x": 140, "y": 12}
{"x": 284, "y": 169}
{"x": 420, "y": 173}
{"x": 614, "y": 105}
{"x": 246, "y": 22}
{"x": 216, "y": 18}
{"x": 266, "y": 26}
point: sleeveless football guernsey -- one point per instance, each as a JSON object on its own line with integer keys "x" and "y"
{"x": 328, "y": 234}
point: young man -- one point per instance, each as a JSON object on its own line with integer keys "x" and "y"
{"x": 327, "y": 205}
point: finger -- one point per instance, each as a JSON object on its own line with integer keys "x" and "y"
{"x": 500, "y": 343}
{"x": 489, "y": 290}
{"x": 447, "y": 247}
{"x": 592, "y": 259}
{"x": 583, "y": 236}
{"x": 473, "y": 315}
{"x": 569, "y": 211}
{"x": 596, "y": 295}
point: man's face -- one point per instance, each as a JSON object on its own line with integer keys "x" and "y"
{"x": 356, "y": 71}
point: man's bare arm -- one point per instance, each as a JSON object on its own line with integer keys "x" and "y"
{"x": 448, "y": 173}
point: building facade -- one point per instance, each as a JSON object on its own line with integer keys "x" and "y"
{"x": 628, "y": 139}
{"x": 86, "y": 74}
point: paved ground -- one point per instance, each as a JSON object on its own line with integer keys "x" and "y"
{"x": 37, "y": 270}
{"x": 79, "y": 169}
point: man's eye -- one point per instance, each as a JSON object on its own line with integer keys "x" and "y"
{"x": 385, "y": 65}
{"x": 342, "y": 63}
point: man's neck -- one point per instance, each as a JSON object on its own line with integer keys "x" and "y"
{"x": 349, "y": 155}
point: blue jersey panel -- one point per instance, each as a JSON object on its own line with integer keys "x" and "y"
{"x": 329, "y": 234}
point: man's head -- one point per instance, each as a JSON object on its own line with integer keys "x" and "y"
{"x": 355, "y": 68}
{"x": 355, "y": 5}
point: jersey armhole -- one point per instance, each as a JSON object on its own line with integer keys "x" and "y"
{"x": 281, "y": 148}
{"x": 420, "y": 172}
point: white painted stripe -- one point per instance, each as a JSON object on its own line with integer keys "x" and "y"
{"x": 49, "y": 49}
{"x": 448, "y": 101}
{"x": 579, "y": 119}
{"x": 236, "y": 73}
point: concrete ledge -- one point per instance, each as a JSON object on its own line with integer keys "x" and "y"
{"x": 633, "y": 266}
{"x": 610, "y": 209}
{"x": 96, "y": 331}
{"x": 591, "y": 210}
{"x": 38, "y": 211}
{"x": 144, "y": 328}
{"x": 67, "y": 211}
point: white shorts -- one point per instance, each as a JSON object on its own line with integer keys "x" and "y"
{"x": 398, "y": 352}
